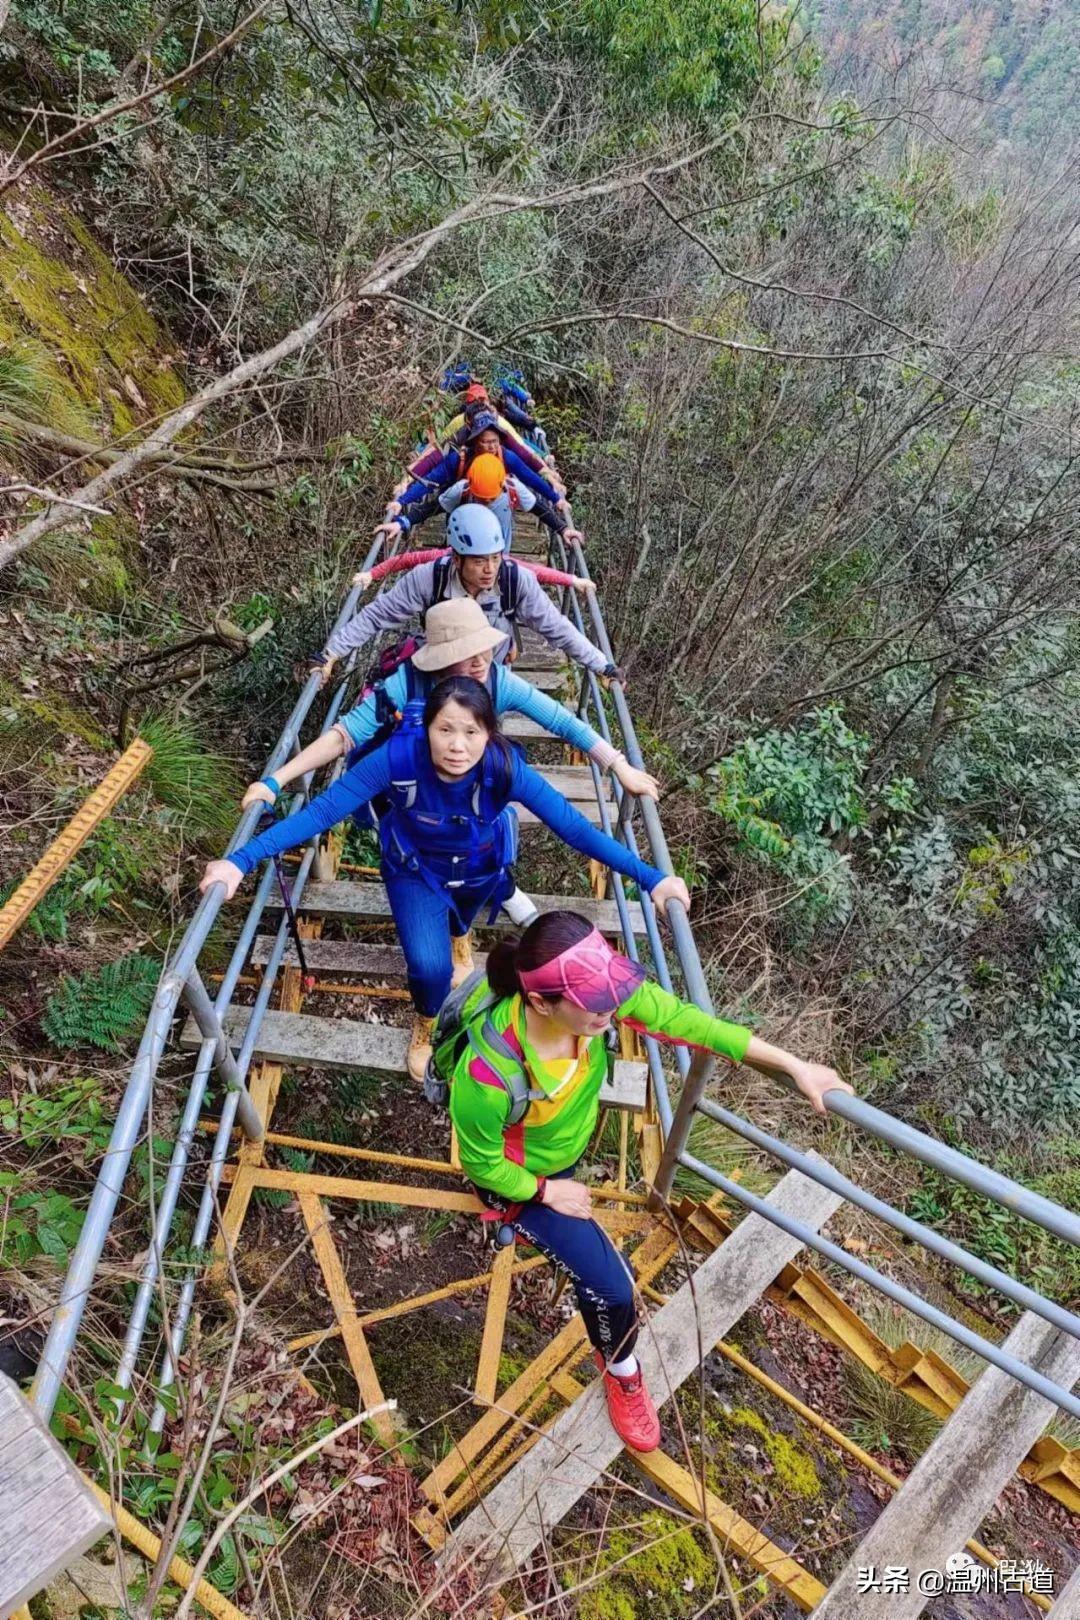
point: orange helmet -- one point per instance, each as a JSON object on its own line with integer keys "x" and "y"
{"x": 487, "y": 477}
{"x": 475, "y": 391}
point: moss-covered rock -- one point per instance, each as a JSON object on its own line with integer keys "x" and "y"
{"x": 109, "y": 358}
{"x": 795, "y": 1469}
{"x": 656, "y": 1558}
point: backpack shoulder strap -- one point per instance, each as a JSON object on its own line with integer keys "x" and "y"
{"x": 509, "y": 581}
{"x": 441, "y": 580}
{"x": 516, "y": 1082}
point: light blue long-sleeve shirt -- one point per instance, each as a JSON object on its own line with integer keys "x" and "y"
{"x": 508, "y": 691}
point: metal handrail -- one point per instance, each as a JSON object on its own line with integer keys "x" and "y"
{"x": 180, "y": 981}
{"x": 132, "y": 1111}
{"x": 1001, "y": 1189}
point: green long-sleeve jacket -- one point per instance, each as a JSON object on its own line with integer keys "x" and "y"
{"x": 556, "y": 1131}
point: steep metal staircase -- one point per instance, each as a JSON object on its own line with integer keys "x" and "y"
{"x": 520, "y": 1467}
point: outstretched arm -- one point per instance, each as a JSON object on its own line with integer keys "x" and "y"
{"x": 355, "y": 788}
{"x": 655, "y": 1011}
{"x": 328, "y": 747}
{"x": 557, "y": 813}
{"x": 538, "y": 613}
{"x": 409, "y": 597}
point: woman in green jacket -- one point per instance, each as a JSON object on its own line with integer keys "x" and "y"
{"x": 559, "y": 988}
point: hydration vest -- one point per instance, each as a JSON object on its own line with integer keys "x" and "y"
{"x": 446, "y": 848}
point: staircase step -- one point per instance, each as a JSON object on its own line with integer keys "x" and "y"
{"x": 518, "y": 725}
{"x": 344, "y": 1043}
{"x": 368, "y": 900}
{"x": 574, "y": 782}
{"x": 546, "y": 679}
{"x": 343, "y": 956}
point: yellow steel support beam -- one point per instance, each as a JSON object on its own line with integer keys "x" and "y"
{"x": 648, "y": 1260}
{"x": 66, "y": 845}
{"x": 337, "y": 1286}
{"x": 487, "y": 1366}
{"x": 405, "y": 1307}
{"x": 625, "y": 1221}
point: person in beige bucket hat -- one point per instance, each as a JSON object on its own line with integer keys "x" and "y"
{"x": 457, "y": 635}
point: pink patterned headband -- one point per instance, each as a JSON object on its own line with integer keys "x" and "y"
{"x": 590, "y": 974}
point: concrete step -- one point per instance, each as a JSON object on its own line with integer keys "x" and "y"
{"x": 300, "y": 1039}
{"x": 368, "y": 901}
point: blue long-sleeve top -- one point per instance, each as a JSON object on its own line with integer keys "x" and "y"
{"x": 448, "y": 471}
{"x": 371, "y": 776}
{"x": 516, "y": 415}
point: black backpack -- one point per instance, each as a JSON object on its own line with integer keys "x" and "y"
{"x": 509, "y": 586}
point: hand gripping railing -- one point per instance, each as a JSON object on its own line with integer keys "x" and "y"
{"x": 180, "y": 983}
{"x": 698, "y": 1072}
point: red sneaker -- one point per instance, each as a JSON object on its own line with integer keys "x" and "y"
{"x": 630, "y": 1408}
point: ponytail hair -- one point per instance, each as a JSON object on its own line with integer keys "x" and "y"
{"x": 545, "y": 938}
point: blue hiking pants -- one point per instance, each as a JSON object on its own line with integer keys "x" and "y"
{"x": 601, "y": 1278}
{"x": 425, "y": 920}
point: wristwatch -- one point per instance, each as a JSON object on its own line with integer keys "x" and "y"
{"x": 541, "y": 1189}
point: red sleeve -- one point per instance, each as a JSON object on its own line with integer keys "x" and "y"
{"x": 423, "y": 464}
{"x": 404, "y": 560}
{"x": 546, "y": 575}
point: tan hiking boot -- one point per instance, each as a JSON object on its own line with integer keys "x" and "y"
{"x": 462, "y": 958}
{"x": 419, "y": 1047}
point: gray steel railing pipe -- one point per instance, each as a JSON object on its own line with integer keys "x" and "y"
{"x": 67, "y": 1317}
{"x": 820, "y": 1170}
{"x": 979, "y": 1177}
{"x": 892, "y": 1290}
{"x": 208, "y": 1202}
{"x": 185, "y": 1137}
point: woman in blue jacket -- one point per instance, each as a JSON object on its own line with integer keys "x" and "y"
{"x": 448, "y": 833}
{"x": 483, "y": 438}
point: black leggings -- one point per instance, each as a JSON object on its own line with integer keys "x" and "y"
{"x": 601, "y": 1278}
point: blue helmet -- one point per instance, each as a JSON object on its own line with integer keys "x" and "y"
{"x": 475, "y": 531}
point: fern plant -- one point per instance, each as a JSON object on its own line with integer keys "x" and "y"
{"x": 280, "y": 1197}
{"x": 102, "y": 1008}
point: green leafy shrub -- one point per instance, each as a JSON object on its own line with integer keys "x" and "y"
{"x": 103, "y": 1007}
{"x": 788, "y": 794}
{"x": 73, "y": 1112}
{"x": 34, "y": 1224}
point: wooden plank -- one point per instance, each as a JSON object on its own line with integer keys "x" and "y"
{"x": 1066, "y": 1605}
{"x": 958, "y": 1478}
{"x": 369, "y": 900}
{"x": 66, "y": 845}
{"x": 487, "y": 1366}
{"x": 48, "y": 1514}
{"x": 343, "y": 1043}
{"x": 523, "y": 729}
{"x": 557, "y": 680}
{"x": 344, "y": 956}
{"x": 540, "y": 1490}
{"x": 574, "y": 782}
{"x": 394, "y": 1192}
{"x": 337, "y": 1286}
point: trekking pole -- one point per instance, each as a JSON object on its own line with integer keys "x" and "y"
{"x": 307, "y": 978}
